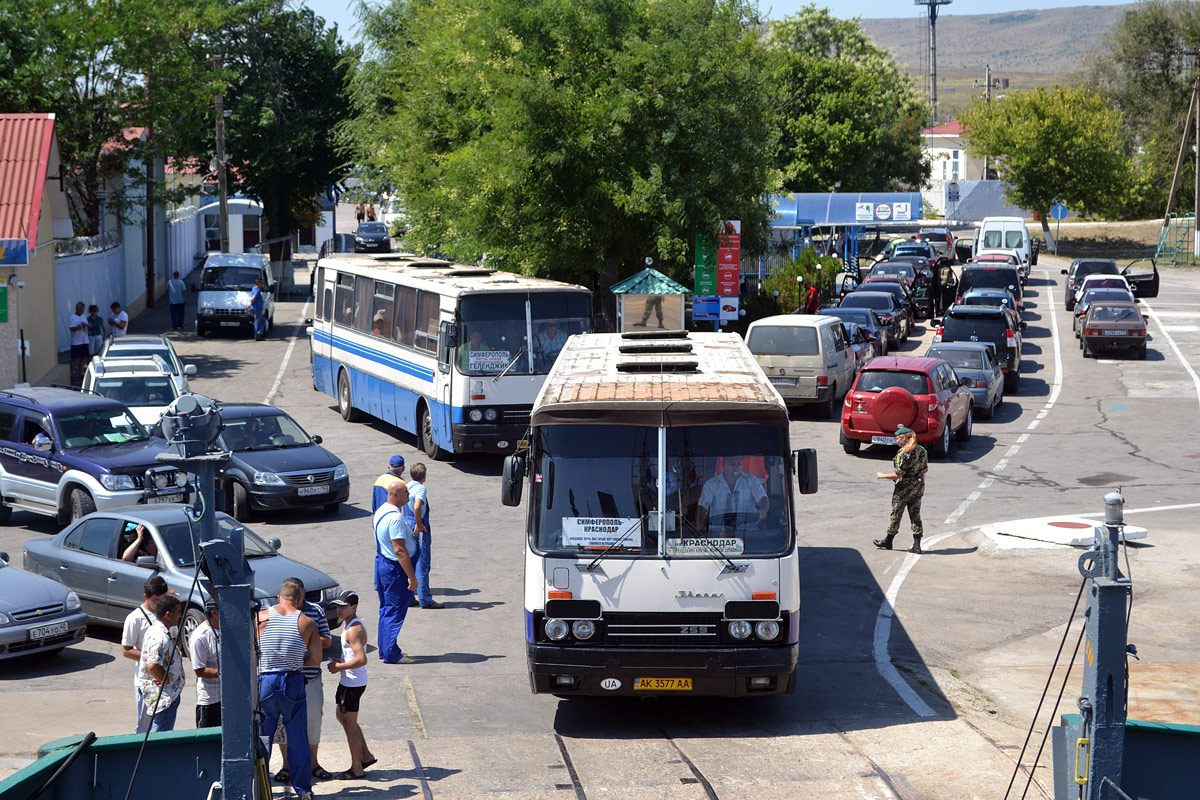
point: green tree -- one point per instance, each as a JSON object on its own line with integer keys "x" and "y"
{"x": 846, "y": 112}
{"x": 1142, "y": 73}
{"x": 563, "y": 136}
{"x": 1051, "y": 145}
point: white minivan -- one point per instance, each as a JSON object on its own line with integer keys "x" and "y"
{"x": 1006, "y": 233}
{"x": 224, "y": 292}
{"x": 807, "y": 358}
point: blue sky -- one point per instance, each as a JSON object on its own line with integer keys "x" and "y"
{"x": 339, "y": 11}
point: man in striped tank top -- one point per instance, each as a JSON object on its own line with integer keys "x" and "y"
{"x": 352, "y": 683}
{"x": 288, "y": 641}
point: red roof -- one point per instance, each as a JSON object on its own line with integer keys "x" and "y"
{"x": 24, "y": 157}
{"x": 951, "y": 128}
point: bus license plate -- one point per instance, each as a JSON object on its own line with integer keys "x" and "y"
{"x": 663, "y": 684}
{"x": 306, "y": 491}
{"x": 883, "y": 440}
{"x": 46, "y": 631}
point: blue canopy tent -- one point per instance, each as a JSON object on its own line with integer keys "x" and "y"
{"x": 796, "y": 215}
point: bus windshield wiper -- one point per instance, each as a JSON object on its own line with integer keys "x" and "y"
{"x": 510, "y": 364}
{"x": 709, "y": 545}
{"x": 596, "y": 561}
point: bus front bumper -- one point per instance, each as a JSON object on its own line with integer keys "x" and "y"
{"x": 725, "y": 672}
{"x": 483, "y": 438}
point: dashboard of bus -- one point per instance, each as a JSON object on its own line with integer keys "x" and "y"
{"x": 595, "y": 490}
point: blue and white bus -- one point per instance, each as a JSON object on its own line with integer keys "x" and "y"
{"x": 452, "y": 353}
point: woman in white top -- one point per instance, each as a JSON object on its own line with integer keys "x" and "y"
{"x": 352, "y": 682}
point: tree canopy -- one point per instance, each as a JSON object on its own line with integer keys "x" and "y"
{"x": 1052, "y": 145}
{"x": 563, "y": 136}
{"x": 846, "y": 112}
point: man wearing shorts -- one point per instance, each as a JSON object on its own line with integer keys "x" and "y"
{"x": 314, "y": 693}
{"x": 352, "y": 669}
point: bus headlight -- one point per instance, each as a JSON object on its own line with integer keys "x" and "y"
{"x": 475, "y": 415}
{"x": 583, "y": 628}
{"x": 491, "y": 414}
{"x": 739, "y": 629}
{"x": 556, "y": 629}
{"x": 767, "y": 630}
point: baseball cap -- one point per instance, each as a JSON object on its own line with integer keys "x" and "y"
{"x": 346, "y": 598}
{"x": 396, "y": 461}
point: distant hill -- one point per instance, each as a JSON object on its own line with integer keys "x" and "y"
{"x": 1053, "y": 41}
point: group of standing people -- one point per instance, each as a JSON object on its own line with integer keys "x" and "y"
{"x": 89, "y": 331}
{"x": 366, "y": 212}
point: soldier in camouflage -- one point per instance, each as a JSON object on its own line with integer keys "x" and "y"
{"x": 911, "y": 462}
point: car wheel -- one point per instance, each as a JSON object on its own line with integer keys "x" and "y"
{"x": 964, "y": 431}
{"x": 1141, "y": 354}
{"x": 830, "y": 403}
{"x": 425, "y": 434}
{"x": 941, "y": 448}
{"x": 5, "y": 512}
{"x": 1070, "y": 305}
{"x": 850, "y": 446}
{"x": 82, "y": 503}
{"x": 1088, "y": 352}
{"x": 1012, "y": 380}
{"x": 346, "y": 400}
{"x": 270, "y": 323}
{"x": 332, "y": 508}
{"x": 192, "y": 620}
{"x": 200, "y": 331}
{"x": 239, "y": 502}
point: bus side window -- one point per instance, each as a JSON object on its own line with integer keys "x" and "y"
{"x": 364, "y": 290}
{"x": 382, "y": 310}
{"x": 344, "y": 312}
{"x": 406, "y": 315}
{"x": 319, "y": 294}
{"x": 327, "y": 304}
{"x": 427, "y": 322}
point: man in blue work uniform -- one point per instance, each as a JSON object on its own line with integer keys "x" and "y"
{"x": 396, "y": 551}
{"x": 380, "y": 490}
{"x": 257, "y": 308}
{"x": 416, "y": 514}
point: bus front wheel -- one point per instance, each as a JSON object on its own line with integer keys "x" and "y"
{"x": 345, "y": 400}
{"x": 426, "y": 436}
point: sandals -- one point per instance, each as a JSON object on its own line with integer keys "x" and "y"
{"x": 283, "y": 776}
{"x": 349, "y": 776}
{"x": 370, "y": 763}
{"x": 319, "y": 773}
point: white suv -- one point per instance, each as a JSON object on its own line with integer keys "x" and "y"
{"x": 145, "y": 385}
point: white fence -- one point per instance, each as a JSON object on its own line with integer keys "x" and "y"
{"x": 96, "y": 277}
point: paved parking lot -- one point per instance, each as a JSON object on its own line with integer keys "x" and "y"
{"x": 918, "y": 675}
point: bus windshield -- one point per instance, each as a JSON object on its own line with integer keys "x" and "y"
{"x": 495, "y": 330}
{"x": 595, "y": 489}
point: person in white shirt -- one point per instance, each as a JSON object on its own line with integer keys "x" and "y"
{"x": 160, "y": 669}
{"x": 118, "y": 321}
{"x": 730, "y": 500}
{"x": 205, "y": 650}
{"x": 352, "y": 683}
{"x": 134, "y": 631}
{"x": 77, "y": 324}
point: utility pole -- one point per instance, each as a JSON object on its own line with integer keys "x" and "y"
{"x": 987, "y": 94}
{"x": 1192, "y": 114}
{"x": 149, "y": 209}
{"x": 222, "y": 178}
{"x": 933, "y": 14}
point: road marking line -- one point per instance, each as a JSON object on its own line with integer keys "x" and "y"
{"x": 1012, "y": 451}
{"x": 987, "y": 482}
{"x": 1023, "y": 438}
{"x": 1032, "y": 425}
{"x": 1171, "y": 341}
{"x": 1001, "y": 465}
{"x": 287, "y": 356}
{"x": 414, "y": 711}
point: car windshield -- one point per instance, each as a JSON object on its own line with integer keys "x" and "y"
{"x": 266, "y": 431}
{"x": 494, "y": 331}
{"x": 596, "y": 487}
{"x": 182, "y": 541}
{"x": 1115, "y": 314}
{"x": 137, "y": 391}
{"x": 372, "y": 227}
{"x": 990, "y": 279}
{"x": 783, "y": 340}
{"x": 99, "y": 426}
{"x": 975, "y": 329}
{"x": 230, "y": 278}
{"x": 875, "y": 381}
{"x": 960, "y": 359}
{"x": 879, "y": 302}
{"x": 144, "y": 351}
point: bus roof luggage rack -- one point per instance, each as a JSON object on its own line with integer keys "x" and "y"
{"x": 657, "y": 365}
{"x": 654, "y": 335}
{"x": 656, "y": 347}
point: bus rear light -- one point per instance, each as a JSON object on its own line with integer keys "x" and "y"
{"x": 763, "y": 596}
{"x": 559, "y": 595}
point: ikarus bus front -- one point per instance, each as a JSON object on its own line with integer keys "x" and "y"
{"x": 660, "y": 555}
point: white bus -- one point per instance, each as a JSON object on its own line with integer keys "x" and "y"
{"x": 441, "y": 350}
{"x": 611, "y": 606}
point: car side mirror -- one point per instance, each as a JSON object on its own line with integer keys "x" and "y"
{"x": 4, "y": 557}
{"x": 43, "y": 442}
{"x": 308, "y": 320}
{"x": 935, "y": 322}
{"x": 189, "y": 369}
{"x": 1125, "y": 272}
{"x": 147, "y": 561}
{"x": 1024, "y": 325}
{"x": 316, "y": 439}
{"x": 1064, "y": 272}
{"x": 275, "y": 544}
{"x": 511, "y": 483}
{"x": 805, "y": 463}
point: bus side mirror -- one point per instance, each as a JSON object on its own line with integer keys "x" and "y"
{"x": 511, "y": 485}
{"x": 452, "y": 335}
{"x": 806, "y": 470}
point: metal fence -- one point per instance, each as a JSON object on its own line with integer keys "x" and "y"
{"x": 83, "y": 245}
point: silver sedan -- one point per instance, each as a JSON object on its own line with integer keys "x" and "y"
{"x": 37, "y": 615}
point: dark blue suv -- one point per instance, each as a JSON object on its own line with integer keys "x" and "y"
{"x": 66, "y": 453}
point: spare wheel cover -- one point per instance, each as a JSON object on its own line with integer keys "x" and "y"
{"x": 894, "y": 407}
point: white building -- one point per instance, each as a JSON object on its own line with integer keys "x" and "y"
{"x": 946, "y": 150}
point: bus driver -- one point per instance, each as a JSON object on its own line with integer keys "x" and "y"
{"x": 729, "y": 500}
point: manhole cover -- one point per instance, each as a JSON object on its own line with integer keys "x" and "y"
{"x": 1105, "y": 478}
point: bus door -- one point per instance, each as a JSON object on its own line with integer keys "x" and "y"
{"x": 447, "y": 347}
{"x": 321, "y": 348}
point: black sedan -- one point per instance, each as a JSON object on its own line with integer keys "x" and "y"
{"x": 866, "y": 319}
{"x": 275, "y": 464}
{"x": 887, "y": 307}
{"x": 372, "y": 237}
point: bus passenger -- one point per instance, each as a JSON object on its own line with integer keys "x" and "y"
{"x": 729, "y": 500}
{"x": 547, "y": 344}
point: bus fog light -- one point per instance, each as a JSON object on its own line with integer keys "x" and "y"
{"x": 475, "y": 415}
{"x": 767, "y": 630}
{"x": 557, "y": 629}
{"x": 564, "y": 680}
{"x": 583, "y": 628}
{"x": 760, "y": 681}
{"x": 491, "y": 415}
{"x": 739, "y": 629}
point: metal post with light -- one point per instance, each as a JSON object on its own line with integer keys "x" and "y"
{"x": 933, "y": 15}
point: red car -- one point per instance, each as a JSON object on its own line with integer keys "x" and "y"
{"x": 924, "y": 394}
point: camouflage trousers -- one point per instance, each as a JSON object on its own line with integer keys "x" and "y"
{"x": 907, "y": 495}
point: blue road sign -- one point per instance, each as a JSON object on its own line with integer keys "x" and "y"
{"x": 1058, "y": 211}
{"x": 14, "y": 252}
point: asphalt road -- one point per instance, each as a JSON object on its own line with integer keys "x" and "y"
{"x": 918, "y": 676}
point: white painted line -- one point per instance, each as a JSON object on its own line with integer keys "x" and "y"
{"x": 1154, "y": 315}
{"x": 1001, "y": 465}
{"x": 988, "y": 481}
{"x": 1145, "y": 510}
{"x": 287, "y": 355}
{"x": 1032, "y": 425}
{"x": 1023, "y": 438}
{"x": 1012, "y": 451}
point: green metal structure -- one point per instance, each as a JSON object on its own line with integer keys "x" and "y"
{"x": 1175, "y": 242}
